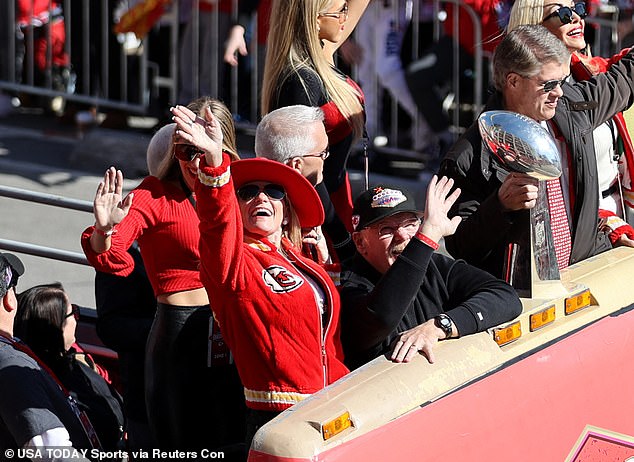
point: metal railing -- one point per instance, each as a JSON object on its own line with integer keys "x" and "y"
{"x": 86, "y": 333}
{"x": 477, "y": 58}
{"x": 117, "y": 71}
{"x": 40, "y": 250}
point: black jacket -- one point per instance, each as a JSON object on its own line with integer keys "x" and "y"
{"x": 100, "y": 400}
{"x": 418, "y": 286}
{"x": 486, "y": 230}
{"x": 125, "y": 311}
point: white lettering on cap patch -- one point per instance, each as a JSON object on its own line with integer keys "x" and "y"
{"x": 281, "y": 280}
{"x": 355, "y": 221}
{"x": 387, "y": 198}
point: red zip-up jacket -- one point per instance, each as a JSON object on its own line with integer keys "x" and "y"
{"x": 265, "y": 306}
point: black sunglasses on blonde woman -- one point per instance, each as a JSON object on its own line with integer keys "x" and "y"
{"x": 565, "y": 13}
{"x": 186, "y": 152}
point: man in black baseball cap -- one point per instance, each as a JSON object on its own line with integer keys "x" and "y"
{"x": 380, "y": 202}
{"x": 398, "y": 296}
{"x": 11, "y": 268}
{"x": 38, "y": 413}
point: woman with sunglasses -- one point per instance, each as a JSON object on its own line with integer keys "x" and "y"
{"x": 612, "y": 143}
{"x": 278, "y": 310}
{"x": 46, "y": 321}
{"x": 303, "y": 38}
{"x": 193, "y": 393}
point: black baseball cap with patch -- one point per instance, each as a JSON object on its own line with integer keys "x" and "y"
{"x": 11, "y": 267}
{"x": 380, "y": 202}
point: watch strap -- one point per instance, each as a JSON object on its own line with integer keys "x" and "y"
{"x": 445, "y": 323}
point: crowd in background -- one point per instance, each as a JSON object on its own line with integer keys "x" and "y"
{"x": 399, "y": 66}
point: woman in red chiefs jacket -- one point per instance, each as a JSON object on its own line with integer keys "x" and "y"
{"x": 193, "y": 393}
{"x": 278, "y": 311}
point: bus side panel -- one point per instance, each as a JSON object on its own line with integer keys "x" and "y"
{"x": 535, "y": 409}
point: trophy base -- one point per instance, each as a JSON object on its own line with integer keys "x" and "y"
{"x": 549, "y": 289}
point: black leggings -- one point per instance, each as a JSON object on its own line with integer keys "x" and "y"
{"x": 190, "y": 405}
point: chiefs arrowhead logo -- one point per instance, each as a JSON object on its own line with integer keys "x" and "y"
{"x": 280, "y": 280}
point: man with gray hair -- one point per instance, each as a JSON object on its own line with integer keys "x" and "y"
{"x": 530, "y": 73}
{"x": 296, "y": 136}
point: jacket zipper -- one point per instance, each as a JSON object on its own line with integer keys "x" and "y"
{"x": 323, "y": 332}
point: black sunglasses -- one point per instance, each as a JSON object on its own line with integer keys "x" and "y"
{"x": 74, "y": 312}
{"x": 550, "y": 85}
{"x": 565, "y": 13}
{"x": 186, "y": 152}
{"x": 249, "y": 191}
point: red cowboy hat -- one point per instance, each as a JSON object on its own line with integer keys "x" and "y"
{"x": 300, "y": 193}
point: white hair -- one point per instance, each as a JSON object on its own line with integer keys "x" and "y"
{"x": 281, "y": 134}
{"x": 159, "y": 148}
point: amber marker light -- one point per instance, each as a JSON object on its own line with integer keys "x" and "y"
{"x": 508, "y": 334}
{"x": 578, "y": 302}
{"x": 336, "y": 426}
{"x": 542, "y": 318}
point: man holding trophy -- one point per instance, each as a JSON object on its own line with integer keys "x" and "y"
{"x": 504, "y": 188}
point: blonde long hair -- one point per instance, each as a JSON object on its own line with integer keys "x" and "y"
{"x": 293, "y": 44}
{"x": 293, "y": 230}
{"x": 525, "y": 12}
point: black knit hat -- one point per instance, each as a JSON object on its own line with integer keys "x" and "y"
{"x": 379, "y": 202}
{"x": 11, "y": 267}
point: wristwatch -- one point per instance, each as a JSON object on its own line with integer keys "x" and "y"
{"x": 445, "y": 323}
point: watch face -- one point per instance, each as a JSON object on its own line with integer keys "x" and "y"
{"x": 445, "y": 323}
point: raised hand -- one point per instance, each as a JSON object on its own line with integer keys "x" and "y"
{"x": 108, "y": 207}
{"x": 235, "y": 44}
{"x": 204, "y": 133}
{"x": 436, "y": 224}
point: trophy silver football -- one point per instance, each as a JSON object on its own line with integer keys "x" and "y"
{"x": 521, "y": 144}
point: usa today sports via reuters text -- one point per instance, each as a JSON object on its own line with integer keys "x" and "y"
{"x": 96, "y": 454}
